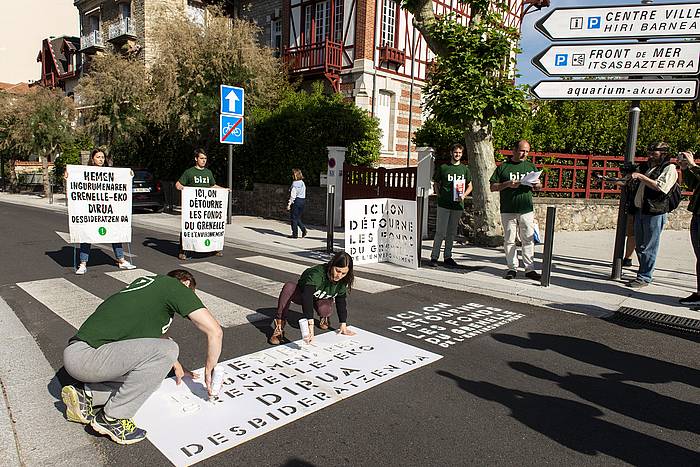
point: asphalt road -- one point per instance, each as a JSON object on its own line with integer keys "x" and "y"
{"x": 531, "y": 386}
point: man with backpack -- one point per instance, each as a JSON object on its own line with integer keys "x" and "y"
{"x": 655, "y": 196}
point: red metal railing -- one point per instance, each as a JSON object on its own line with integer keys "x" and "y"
{"x": 574, "y": 175}
{"x": 326, "y": 56}
{"x": 391, "y": 55}
{"x": 366, "y": 182}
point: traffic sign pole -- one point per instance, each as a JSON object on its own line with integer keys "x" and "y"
{"x": 230, "y": 184}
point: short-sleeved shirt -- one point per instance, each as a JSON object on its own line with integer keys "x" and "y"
{"x": 145, "y": 308}
{"x": 514, "y": 200}
{"x": 665, "y": 181}
{"x": 200, "y": 178}
{"x": 446, "y": 175}
{"x": 325, "y": 288}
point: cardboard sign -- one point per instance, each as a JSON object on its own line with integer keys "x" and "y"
{"x": 381, "y": 229}
{"x": 268, "y": 389}
{"x": 203, "y": 220}
{"x": 458, "y": 187}
{"x": 99, "y": 204}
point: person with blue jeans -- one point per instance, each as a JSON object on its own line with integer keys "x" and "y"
{"x": 651, "y": 205}
{"x": 297, "y": 200}
{"x": 97, "y": 158}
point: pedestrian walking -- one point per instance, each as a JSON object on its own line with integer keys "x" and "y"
{"x": 120, "y": 356}
{"x": 295, "y": 205}
{"x": 452, "y": 182}
{"x": 691, "y": 178}
{"x": 652, "y": 206}
{"x": 317, "y": 289}
{"x": 97, "y": 159}
{"x": 198, "y": 176}
{"x": 517, "y": 212}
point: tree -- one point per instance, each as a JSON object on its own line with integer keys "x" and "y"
{"x": 470, "y": 85}
{"x": 40, "y": 123}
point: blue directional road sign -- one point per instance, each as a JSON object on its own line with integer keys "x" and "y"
{"x": 231, "y": 129}
{"x": 232, "y": 100}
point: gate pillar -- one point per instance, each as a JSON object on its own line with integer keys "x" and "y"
{"x": 336, "y": 159}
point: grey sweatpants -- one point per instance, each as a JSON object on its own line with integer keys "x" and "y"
{"x": 121, "y": 375}
{"x": 445, "y": 229}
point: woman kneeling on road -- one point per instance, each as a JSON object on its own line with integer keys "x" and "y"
{"x": 316, "y": 289}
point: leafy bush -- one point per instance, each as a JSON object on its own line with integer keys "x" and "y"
{"x": 298, "y": 131}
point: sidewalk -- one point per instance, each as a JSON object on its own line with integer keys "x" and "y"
{"x": 580, "y": 271}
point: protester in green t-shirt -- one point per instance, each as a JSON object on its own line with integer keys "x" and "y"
{"x": 517, "y": 214}
{"x": 200, "y": 177}
{"x": 121, "y": 353}
{"x": 316, "y": 289}
{"x": 452, "y": 183}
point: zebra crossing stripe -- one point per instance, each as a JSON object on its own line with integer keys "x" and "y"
{"x": 228, "y": 314}
{"x": 106, "y": 247}
{"x": 244, "y": 279}
{"x": 70, "y": 302}
{"x": 365, "y": 285}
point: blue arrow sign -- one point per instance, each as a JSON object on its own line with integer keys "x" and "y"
{"x": 232, "y": 100}
{"x": 230, "y": 129}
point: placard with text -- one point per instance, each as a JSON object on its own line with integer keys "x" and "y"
{"x": 99, "y": 204}
{"x": 203, "y": 220}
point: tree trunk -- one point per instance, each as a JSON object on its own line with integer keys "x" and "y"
{"x": 13, "y": 185}
{"x": 45, "y": 174}
{"x": 486, "y": 205}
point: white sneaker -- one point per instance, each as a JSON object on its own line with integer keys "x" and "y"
{"x": 82, "y": 269}
{"x": 124, "y": 264}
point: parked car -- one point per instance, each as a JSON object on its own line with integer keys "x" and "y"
{"x": 147, "y": 192}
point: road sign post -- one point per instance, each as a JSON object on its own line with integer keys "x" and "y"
{"x": 231, "y": 126}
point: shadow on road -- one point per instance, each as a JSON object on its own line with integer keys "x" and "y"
{"x": 578, "y": 426}
{"x": 67, "y": 257}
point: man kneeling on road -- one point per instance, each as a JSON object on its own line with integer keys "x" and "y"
{"x": 121, "y": 355}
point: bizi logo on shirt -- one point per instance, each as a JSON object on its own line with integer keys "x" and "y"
{"x": 453, "y": 177}
{"x": 200, "y": 179}
{"x": 517, "y": 176}
{"x": 320, "y": 294}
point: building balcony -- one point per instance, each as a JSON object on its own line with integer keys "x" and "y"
{"x": 121, "y": 31}
{"x": 391, "y": 57}
{"x": 92, "y": 42}
{"x": 324, "y": 57}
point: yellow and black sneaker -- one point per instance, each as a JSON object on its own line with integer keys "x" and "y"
{"x": 78, "y": 405}
{"x": 121, "y": 430}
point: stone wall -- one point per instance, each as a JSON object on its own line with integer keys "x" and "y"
{"x": 270, "y": 201}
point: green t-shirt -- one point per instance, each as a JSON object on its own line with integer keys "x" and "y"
{"x": 514, "y": 200}
{"x": 145, "y": 308}
{"x": 445, "y": 176}
{"x": 200, "y": 178}
{"x": 325, "y": 288}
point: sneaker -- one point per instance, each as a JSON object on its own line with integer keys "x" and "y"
{"x": 324, "y": 323}
{"x": 637, "y": 284}
{"x": 124, "y": 264}
{"x": 627, "y": 262}
{"x": 82, "y": 269}
{"x": 693, "y": 299}
{"x": 182, "y": 256}
{"x": 534, "y": 275}
{"x": 78, "y": 405}
{"x": 510, "y": 274}
{"x": 292, "y": 236}
{"x": 121, "y": 430}
{"x": 303, "y": 234}
{"x": 449, "y": 263}
{"x": 219, "y": 254}
{"x": 432, "y": 263}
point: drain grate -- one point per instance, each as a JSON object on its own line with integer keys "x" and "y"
{"x": 651, "y": 318}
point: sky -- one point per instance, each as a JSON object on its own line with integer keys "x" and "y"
{"x": 533, "y": 42}
{"x": 23, "y": 25}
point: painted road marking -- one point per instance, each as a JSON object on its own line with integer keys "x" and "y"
{"x": 244, "y": 279}
{"x": 107, "y": 247}
{"x": 365, "y": 285}
{"x": 65, "y": 299}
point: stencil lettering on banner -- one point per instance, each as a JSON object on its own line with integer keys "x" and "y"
{"x": 445, "y": 325}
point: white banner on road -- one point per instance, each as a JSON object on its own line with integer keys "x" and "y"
{"x": 381, "y": 229}
{"x": 203, "y": 220}
{"x": 271, "y": 388}
{"x": 99, "y": 204}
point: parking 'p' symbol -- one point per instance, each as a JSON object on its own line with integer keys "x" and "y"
{"x": 594, "y": 22}
{"x": 561, "y": 59}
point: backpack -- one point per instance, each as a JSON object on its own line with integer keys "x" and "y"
{"x": 674, "y": 197}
